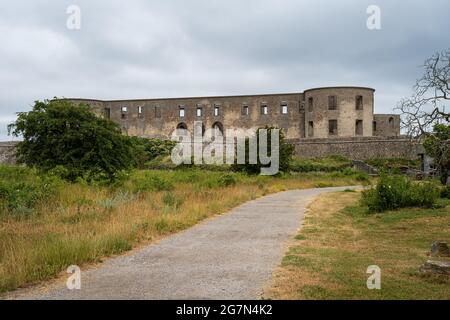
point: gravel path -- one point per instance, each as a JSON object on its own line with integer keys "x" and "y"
{"x": 230, "y": 256}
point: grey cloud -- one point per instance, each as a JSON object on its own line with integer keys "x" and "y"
{"x": 139, "y": 49}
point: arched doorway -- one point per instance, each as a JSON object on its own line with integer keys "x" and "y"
{"x": 217, "y": 129}
{"x": 391, "y": 122}
{"x": 182, "y": 129}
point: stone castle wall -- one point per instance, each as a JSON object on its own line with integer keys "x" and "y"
{"x": 355, "y": 148}
{"x": 160, "y": 117}
{"x": 385, "y": 124}
{"x": 305, "y": 118}
{"x": 318, "y": 112}
{"x": 7, "y": 152}
{"x": 300, "y": 115}
{"x": 358, "y": 148}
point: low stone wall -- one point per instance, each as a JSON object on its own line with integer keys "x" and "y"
{"x": 7, "y": 150}
{"x": 355, "y": 148}
{"x": 358, "y": 148}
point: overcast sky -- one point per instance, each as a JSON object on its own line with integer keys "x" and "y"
{"x": 149, "y": 49}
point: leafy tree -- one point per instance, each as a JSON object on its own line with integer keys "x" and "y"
{"x": 59, "y": 134}
{"x": 286, "y": 150}
{"x": 437, "y": 146}
{"x": 149, "y": 149}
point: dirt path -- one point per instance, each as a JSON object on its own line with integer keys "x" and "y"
{"x": 228, "y": 257}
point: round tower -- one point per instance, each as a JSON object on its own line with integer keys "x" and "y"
{"x": 338, "y": 112}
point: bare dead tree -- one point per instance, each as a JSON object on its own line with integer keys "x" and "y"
{"x": 427, "y": 106}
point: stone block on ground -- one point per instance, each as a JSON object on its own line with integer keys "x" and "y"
{"x": 440, "y": 249}
{"x": 436, "y": 267}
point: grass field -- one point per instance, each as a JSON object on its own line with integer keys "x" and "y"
{"x": 339, "y": 240}
{"x": 47, "y": 225}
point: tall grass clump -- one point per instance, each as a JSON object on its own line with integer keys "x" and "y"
{"x": 119, "y": 198}
{"x": 172, "y": 203}
{"x": 395, "y": 191}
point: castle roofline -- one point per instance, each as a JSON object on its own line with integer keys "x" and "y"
{"x": 222, "y": 96}
{"x": 340, "y": 87}
{"x": 193, "y": 98}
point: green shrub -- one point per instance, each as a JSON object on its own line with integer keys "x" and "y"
{"x": 393, "y": 192}
{"x": 211, "y": 167}
{"x": 151, "y": 183}
{"x": 165, "y": 163}
{"x": 393, "y": 164}
{"x": 171, "y": 201}
{"x": 21, "y": 189}
{"x": 436, "y": 146}
{"x": 147, "y": 150}
{"x": 445, "y": 192}
{"x": 160, "y": 163}
{"x": 286, "y": 150}
{"x": 227, "y": 180}
{"x": 351, "y": 173}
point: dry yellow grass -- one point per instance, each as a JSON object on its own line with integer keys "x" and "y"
{"x": 84, "y": 224}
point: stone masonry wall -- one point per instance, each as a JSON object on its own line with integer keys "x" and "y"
{"x": 160, "y": 124}
{"x": 386, "y": 125}
{"x": 7, "y": 150}
{"x": 293, "y": 112}
{"x": 358, "y": 148}
{"x": 318, "y": 114}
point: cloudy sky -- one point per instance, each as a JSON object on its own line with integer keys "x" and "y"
{"x": 169, "y": 48}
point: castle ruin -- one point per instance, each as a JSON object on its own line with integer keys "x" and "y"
{"x": 319, "y": 121}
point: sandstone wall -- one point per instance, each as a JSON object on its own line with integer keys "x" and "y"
{"x": 7, "y": 152}
{"x": 318, "y": 112}
{"x": 386, "y": 125}
{"x": 160, "y": 117}
{"x": 358, "y": 148}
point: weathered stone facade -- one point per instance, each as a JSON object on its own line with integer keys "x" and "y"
{"x": 316, "y": 113}
{"x": 319, "y": 122}
{"x": 160, "y": 117}
{"x": 320, "y": 110}
{"x": 385, "y": 124}
{"x": 7, "y": 152}
{"x": 359, "y": 148}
